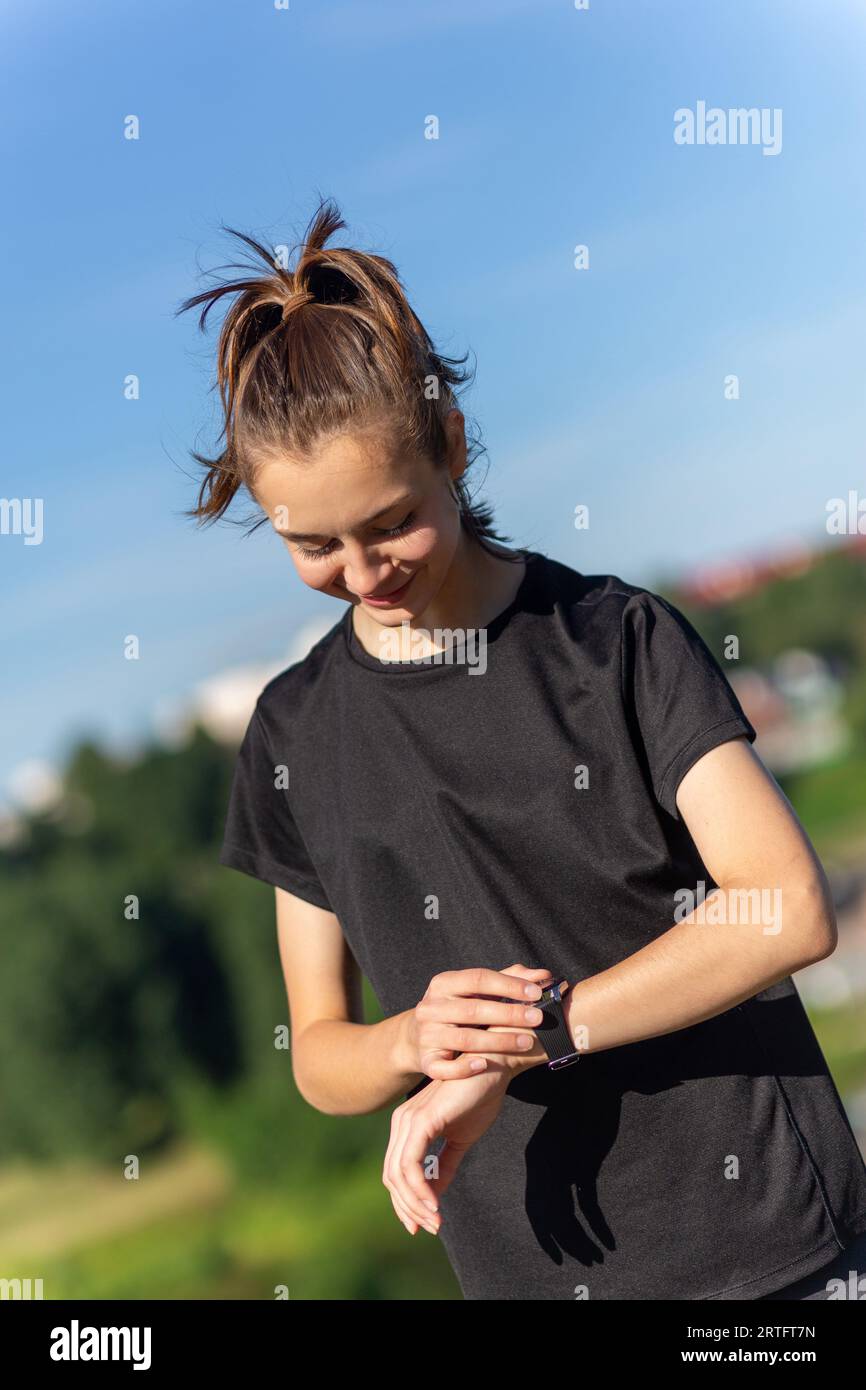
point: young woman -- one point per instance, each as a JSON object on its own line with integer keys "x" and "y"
{"x": 493, "y": 772}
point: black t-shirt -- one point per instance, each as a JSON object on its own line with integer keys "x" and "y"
{"x": 454, "y": 816}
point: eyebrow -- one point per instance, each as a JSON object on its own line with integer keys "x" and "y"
{"x": 320, "y": 536}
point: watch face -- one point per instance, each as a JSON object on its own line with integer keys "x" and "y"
{"x": 550, "y": 995}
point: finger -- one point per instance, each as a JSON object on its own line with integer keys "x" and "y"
{"x": 442, "y": 1015}
{"x": 392, "y": 1177}
{"x": 533, "y": 975}
{"x": 527, "y": 972}
{"x": 474, "y": 1013}
{"x": 474, "y": 1040}
{"x": 395, "y": 1141}
{"x": 440, "y": 1064}
{"x": 480, "y": 980}
{"x": 407, "y": 1122}
{"x": 460, "y": 1069}
{"x": 415, "y": 1187}
{"x": 404, "y": 1216}
{"x": 400, "y": 1211}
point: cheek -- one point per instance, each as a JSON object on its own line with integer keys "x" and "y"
{"x": 432, "y": 542}
{"x": 421, "y": 545}
{"x": 316, "y": 574}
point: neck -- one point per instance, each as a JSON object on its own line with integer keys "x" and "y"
{"x": 477, "y": 587}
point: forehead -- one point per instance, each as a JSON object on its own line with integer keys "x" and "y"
{"x": 345, "y": 481}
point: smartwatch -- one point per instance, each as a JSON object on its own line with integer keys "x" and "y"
{"x": 553, "y": 1032}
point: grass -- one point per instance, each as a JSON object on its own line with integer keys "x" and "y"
{"x": 186, "y": 1230}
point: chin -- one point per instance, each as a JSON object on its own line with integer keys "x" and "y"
{"x": 390, "y": 619}
{"x": 403, "y": 615}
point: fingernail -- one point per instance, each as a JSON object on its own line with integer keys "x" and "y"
{"x": 532, "y": 991}
{"x": 532, "y": 1015}
{"x": 524, "y": 1042}
{"x": 431, "y": 1207}
{"x": 478, "y": 1064}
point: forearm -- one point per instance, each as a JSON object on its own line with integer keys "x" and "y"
{"x": 694, "y": 971}
{"x": 699, "y": 969}
{"x": 344, "y": 1068}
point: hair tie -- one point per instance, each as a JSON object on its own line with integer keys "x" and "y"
{"x": 294, "y": 302}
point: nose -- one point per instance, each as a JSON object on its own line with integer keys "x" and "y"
{"x": 363, "y": 576}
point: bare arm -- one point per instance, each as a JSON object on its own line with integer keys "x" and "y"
{"x": 341, "y": 1065}
{"x": 771, "y": 914}
{"x": 344, "y": 1066}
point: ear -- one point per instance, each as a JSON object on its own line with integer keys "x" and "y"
{"x": 455, "y": 428}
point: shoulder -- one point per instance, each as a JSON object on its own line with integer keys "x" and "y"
{"x": 618, "y": 625}
{"x": 602, "y": 599}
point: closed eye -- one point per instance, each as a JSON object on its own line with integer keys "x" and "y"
{"x": 324, "y": 550}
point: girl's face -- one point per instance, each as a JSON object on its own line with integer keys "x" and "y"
{"x": 365, "y": 523}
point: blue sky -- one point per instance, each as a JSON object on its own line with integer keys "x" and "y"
{"x": 602, "y": 387}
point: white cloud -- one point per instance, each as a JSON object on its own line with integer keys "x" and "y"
{"x": 34, "y": 785}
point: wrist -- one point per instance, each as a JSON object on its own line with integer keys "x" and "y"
{"x": 535, "y": 1057}
{"x": 404, "y": 1057}
{"x": 513, "y": 1063}
{"x": 559, "y": 1032}
{"x": 577, "y": 1029}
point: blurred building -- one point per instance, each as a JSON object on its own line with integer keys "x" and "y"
{"x": 796, "y": 708}
{"x": 223, "y": 703}
{"x": 740, "y": 578}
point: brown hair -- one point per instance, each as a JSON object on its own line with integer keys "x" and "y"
{"x": 305, "y": 352}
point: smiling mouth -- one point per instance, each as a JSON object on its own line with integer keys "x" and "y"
{"x": 391, "y": 596}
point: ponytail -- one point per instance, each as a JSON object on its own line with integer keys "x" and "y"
{"x": 307, "y": 352}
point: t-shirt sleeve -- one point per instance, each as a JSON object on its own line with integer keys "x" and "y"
{"x": 261, "y": 835}
{"x": 677, "y": 695}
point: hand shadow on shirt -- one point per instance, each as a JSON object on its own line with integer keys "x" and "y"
{"x": 582, "y": 1106}
{"x": 563, "y": 1160}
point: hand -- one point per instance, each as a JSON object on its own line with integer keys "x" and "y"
{"x": 462, "y": 1012}
{"x": 462, "y": 1111}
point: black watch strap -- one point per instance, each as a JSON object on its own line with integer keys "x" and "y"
{"x": 553, "y": 1032}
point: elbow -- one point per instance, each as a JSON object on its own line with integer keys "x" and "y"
{"x": 825, "y": 941}
{"x": 305, "y": 1084}
{"x": 308, "y": 1091}
{"x": 322, "y": 1103}
{"x": 327, "y": 1106}
{"x": 317, "y": 1096}
{"x": 814, "y": 920}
